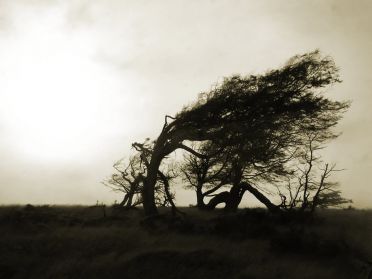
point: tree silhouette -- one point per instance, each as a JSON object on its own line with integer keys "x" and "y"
{"x": 205, "y": 175}
{"x": 129, "y": 177}
{"x": 163, "y": 194}
{"x": 260, "y": 118}
{"x": 308, "y": 186}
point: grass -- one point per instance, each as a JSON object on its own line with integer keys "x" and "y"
{"x": 82, "y": 242}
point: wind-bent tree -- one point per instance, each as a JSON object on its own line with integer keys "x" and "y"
{"x": 129, "y": 177}
{"x": 163, "y": 194}
{"x": 243, "y": 172}
{"x": 268, "y": 114}
{"x": 205, "y": 175}
{"x": 308, "y": 187}
{"x": 229, "y": 168}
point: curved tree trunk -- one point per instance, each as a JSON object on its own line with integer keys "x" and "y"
{"x": 130, "y": 200}
{"x": 261, "y": 197}
{"x": 162, "y": 148}
{"x": 148, "y": 194}
{"x": 222, "y": 197}
{"x": 235, "y": 197}
{"x": 231, "y": 199}
{"x": 124, "y": 201}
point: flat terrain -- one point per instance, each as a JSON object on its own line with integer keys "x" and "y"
{"x": 100, "y": 242}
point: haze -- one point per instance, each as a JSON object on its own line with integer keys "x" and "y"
{"x": 81, "y": 80}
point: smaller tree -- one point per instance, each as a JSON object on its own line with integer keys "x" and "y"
{"x": 128, "y": 179}
{"x": 308, "y": 187}
{"x": 205, "y": 175}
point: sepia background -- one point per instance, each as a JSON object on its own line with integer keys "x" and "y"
{"x": 80, "y": 80}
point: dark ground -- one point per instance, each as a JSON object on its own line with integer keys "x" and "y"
{"x": 89, "y": 242}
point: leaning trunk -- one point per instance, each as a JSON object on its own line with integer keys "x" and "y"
{"x": 130, "y": 199}
{"x": 270, "y": 206}
{"x": 200, "y": 198}
{"x": 235, "y": 197}
{"x": 148, "y": 192}
{"x": 124, "y": 201}
{"x": 222, "y": 197}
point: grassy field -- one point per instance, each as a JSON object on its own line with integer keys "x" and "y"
{"x": 89, "y": 242}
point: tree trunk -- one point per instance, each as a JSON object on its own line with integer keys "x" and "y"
{"x": 235, "y": 197}
{"x": 167, "y": 192}
{"x": 270, "y": 206}
{"x": 130, "y": 199}
{"x": 148, "y": 192}
{"x": 222, "y": 197}
{"x": 200, "y": 198}
{"x": 127, "y": 202}
{"x": 161, "y": 149}
{"x": 124, "y": 201}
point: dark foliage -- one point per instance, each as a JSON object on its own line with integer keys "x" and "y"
{"x": 259, "y": 119}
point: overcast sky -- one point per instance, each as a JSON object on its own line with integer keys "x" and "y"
{"x": 80, "y": 80}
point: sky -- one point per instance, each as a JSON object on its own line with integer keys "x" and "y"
{"x": 80, "y": 80}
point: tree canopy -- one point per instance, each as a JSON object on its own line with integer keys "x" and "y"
{"x": 259, "y": 119}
